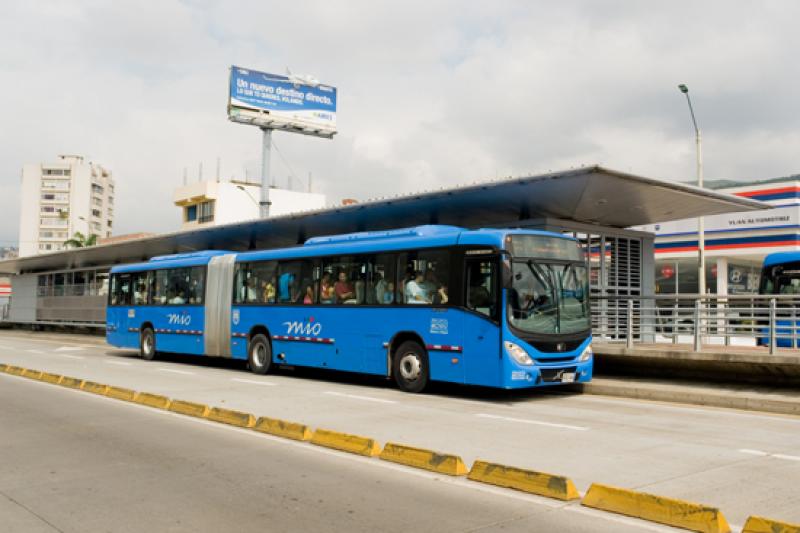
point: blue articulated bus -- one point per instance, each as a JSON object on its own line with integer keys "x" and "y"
{"x": 491, "y": 307}
{"x": 780, "y": 275}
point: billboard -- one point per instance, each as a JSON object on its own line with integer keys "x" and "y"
{"x": 292, "y": 103}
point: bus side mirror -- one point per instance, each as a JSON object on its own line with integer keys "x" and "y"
{"x": 505, "y": 272}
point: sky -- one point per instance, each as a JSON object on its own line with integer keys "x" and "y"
{"x": 430, "y": 93}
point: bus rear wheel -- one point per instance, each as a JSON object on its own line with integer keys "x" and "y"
{"x": 147, "y": 344}
{"x": 259, "y": 354}
{"x": 410, "y": 367}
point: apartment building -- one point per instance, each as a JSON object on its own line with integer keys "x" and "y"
{"x": 61, "y": 198}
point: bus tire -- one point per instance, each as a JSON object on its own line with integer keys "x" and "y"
{"x": 259, "y": 354}
{"x": 147, "y": 344}
{"x": 410, "y": 367}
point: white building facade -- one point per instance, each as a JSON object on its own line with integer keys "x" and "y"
{"x": 735, "y": 244}
{"x": 213, "y": 203}
{"x": 61, "y": 198}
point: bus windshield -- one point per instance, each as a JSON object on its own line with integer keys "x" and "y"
{"x": 781, "y": 279}
{"x": 549, "y": 296}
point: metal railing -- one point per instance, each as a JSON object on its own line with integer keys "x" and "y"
{"x": 751, "y": 320}
{"x": 81, "y": 289}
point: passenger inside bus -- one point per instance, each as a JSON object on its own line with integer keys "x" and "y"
{"x": 415, "y": 290}
{"x": 327, "y": 294}
{"x": 344, "y": 289}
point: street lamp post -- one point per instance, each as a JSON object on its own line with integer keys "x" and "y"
{"x": 701, "y": 241}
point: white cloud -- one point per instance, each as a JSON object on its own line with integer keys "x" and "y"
{"x": 431, "y": 93}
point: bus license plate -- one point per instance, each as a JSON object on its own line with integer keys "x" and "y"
{"x": 568, "y": 377}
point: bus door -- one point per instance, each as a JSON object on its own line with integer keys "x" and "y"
{"x": 482, "y": 354}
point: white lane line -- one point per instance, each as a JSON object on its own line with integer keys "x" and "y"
{"x": 534, "y": 422}
{"x": 69, "y": 349}
{"x": 357, "y": 397}
{"x": 254, "y": 382}
{"x": 184, "y": 372}
{"x": 120, "y": 363}
{"x": 759, "y": 453}
{"x": 68, "y": 356}
{"x": 35, "y": 351}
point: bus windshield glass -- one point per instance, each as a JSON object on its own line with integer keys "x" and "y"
{"x": 550, "y": 295}
{"x": 781, "y": 279}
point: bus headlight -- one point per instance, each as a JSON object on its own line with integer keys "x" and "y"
{"x": 587, "y": 354}
{"x": 518, "y": 354}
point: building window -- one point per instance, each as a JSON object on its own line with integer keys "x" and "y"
{"x": 97, "y": 201}
{"x": 97, "y": 189}
{"x": 108, "y": 222}
{"x": 97, "y": 213}
{"x": 205, "y": 212}
{"x": 48, "y": 209}
{"x": 191, "y": 213}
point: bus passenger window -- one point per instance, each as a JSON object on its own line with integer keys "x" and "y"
{"x": 381, "y": 289}
{"x": 344, "y": 280}
{"x": 121, "y": 289}
{"x": 426, "y": 278}
{"x": 196, "y": 285}
{"x": 140, "y": 288}
{"x": 159, "y": 287}
{"x": 294, "y": 278}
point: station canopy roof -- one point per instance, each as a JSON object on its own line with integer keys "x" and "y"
{"x": 589, "y": 195}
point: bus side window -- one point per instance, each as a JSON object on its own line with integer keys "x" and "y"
{"x": 197, "y": 285}
{"x": 122, "y": 290}
{"x": 481, "y": 283}
{"x": 381, "y": 289}
{"x": 295, "y": 282}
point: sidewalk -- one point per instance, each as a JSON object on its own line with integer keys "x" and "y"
{"x": 733, "y": 396}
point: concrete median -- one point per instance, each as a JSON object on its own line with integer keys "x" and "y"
{"x": 759, "y": 524}
{"x": 345, "y": 442}
{"x": 71, "y": 383}
{"x": 31, "y": 374}
{"x": 94, "y": 388}
{"x": 282, "y": 428}
{"x": 452, "y": 465}
{"x": 14, "y": 370}
{"x": 49, "y": 378}
{"x": 540, "y": 483}
{"x": 669, "y": 511}
{"x": 198, "y": 410}
{"x": 234, "y": 418}
{"x": 119, "y": 393}
{"x": 152, "y": 400}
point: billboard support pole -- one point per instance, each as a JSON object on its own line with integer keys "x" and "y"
{"x": 266, "y": 148}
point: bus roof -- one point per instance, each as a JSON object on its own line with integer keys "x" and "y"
{"x": 172, "y": 261}
{"x": 781, "y": 257}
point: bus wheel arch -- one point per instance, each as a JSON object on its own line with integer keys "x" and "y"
{"x": 259, "y": 350}
{"x": 410, "y": 365}
{"x": 147, "y": 341}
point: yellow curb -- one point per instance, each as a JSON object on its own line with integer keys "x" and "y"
{"x": 49, "y": 378}
{"x": 118, "y": 393}
{"x": 452, "y": 465}
{"x": 677, "y": 513}
{"x": 31, "y": 374}
{"x": 72, "y": 383}
{"x": 152, "y": 400}
{"x": 234, "y": 418}
{"x": 282, "y": 428}
{"x": 540, "y": 483}
{"x": 3, "y": 367}
{"x": 345, "y": 442}
{"x": 94, "y": 388}
{"x": 189, "y": 408}
{"x": 14, "y": 370}
{"x": 759, "y": 524}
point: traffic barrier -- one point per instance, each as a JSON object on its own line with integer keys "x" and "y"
{"x": 152, "y": 400}
{"x": 282, "y": 428}
{"x": 677, "y": 513}
{"x": 345, "y": 442}
{"x": 759, "y": 524}
{"x": 118, "y": 393}
{"x": 3, "y": 367}
{"x": 72, "y": 383}
{"x": 452, "y": 465}
{"x": 14, "y": 370}
{"x": 49, "y": 378}
{"x": 549, "y": 485}
{"x": 94, "y": 388}
{"x": 31, "y": 374}
{"x": 234, "y": 418}
{"x": 189, "y": 408}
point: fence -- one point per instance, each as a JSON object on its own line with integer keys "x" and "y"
{"x": 772, "y": 321}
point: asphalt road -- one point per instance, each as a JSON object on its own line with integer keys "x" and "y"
{"x": 742, "y": 462}
{"x": 72, "y": 461}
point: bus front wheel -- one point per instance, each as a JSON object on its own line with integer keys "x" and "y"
{"x": 410, "y": 367}
{"x": 147, "y": 344}
{"x": 259, "y": 354}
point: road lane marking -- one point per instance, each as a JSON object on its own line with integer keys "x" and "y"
{"x": 254, "y": 382}
{"x": 759, "y": 453}
{"x": 35, "y": 351}
{"x": 70, "y": 356}
{"x": 357, "y": 397}
{"x": 121, "y": 363}
{"x": 184, "y": 372}
{"x": 533, "y": 422}
{"x": 69, "y": 349}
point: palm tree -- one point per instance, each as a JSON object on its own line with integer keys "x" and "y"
{"x": 79, "y": 240}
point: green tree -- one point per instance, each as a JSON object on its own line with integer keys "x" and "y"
{"x": 79, "y": 240}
